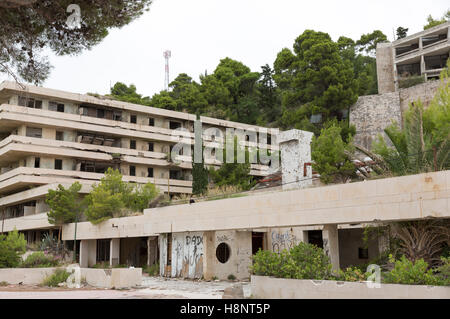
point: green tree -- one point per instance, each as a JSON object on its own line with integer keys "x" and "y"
{"x": 332, "y": 156}
{"x": 11, "y": 247}
{"x": 199, "y": 173}
{"x": 268, "y": 98}
{"x": 122, "y": 92}
{"x": 112, "y": 195}
{"x": 402, "y": 32}
{"x": 30, "y": 28}
{"x": 187, "y": 95}
{"x": 368, "y": 42}
{"x": 65, "y": 205}
{"x": 432, "y": 22}
{"x": 314, "y": 79}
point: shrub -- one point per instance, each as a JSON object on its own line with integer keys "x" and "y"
{"x": 39, "y": 260}
{"x": 409, "y": 273}
{"x": 410, "y": 81}
{"x": 59, "y": 276}
{"x": 304, "y": 261}
{"x": 152, "y": 270}
{"x": 352, "y": 274}
{"x": 3, "y": 284}
{"x": 231, "y": 277}
{"x": 11, "y": 247}
{"x": 443, "y": 272}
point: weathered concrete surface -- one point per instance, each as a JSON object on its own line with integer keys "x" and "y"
{"x": 101, "y": 278}
{"x": 278, "y": 288}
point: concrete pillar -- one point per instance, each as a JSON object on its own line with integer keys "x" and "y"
{"x": 385, "y": 68}
{"x": 305, "y": 238}
{"x": 295, "y": 148}
{"x": 152, "y": 250}
{"x": 114, "y": 252}
{"x": 84, "y": 253}
{"x": 92, "y": 252}
{"x": 331, "y": 244}
{"x": 209, "y": 253}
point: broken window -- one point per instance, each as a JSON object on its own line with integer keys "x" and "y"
{"x": 151, "y": 147}
{"x": 117, "y": 116}
{"x": 150, "y": 172}
{"x": 34, "y": 132}
{"x": 175, "y": 174}
{"x": 133, "y": 119}
{"x": 133, "y": 144}
{"x": 363, "y": 253}
{"x": 408, "y": 69}
{"x": 436, "y": 62}
{"x": 58, "y": 164}
{"x": 151, "y": 121}
{"x": 223, "y": 253}
{"x": 100, "y": 113}
{"x": 132, "y": 170}
{"x": 428, "y": 40}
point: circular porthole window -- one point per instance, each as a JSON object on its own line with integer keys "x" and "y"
{"x": 223, "y": 252}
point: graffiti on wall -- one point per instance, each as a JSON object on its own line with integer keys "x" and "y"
{"x": 283, "y": 240}
{"x": 187, "y": 255}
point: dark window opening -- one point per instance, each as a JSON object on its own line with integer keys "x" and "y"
{"x": 436, "y": 62}
{"x": 151, "y": 121}
{"x": 269, "y": 139}
{"x": 257, "y": 242}
{"x": 100, "y": 113}
{"x": 223, "y": 253}
{"x": 150, "y": 172}
{"x": 103, "y": 248}
{"x": 433, "y": 39}
{"x": 175, "y": 175}
{"x": 60, "y": 136}
{"x": 29, "y": 102}
{"x": 315, "y": 238}
{"x": 132, "y": 170}
{"x": 401, "y": 50}
{"x": 174, "y": 125}
{"x": 117, "y": 116}
{"x": 60, "y": 108}
{"x": 405, "y": 70}
{"x": 133, "y": 119}
{"x": 37, "y": 162}
{"x": 58, "y": 164}
{"x": 133, "y": 144}
{"x": 363, "y": 253}
{"x": 151, "y": 147}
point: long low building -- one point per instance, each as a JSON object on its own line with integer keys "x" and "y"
{"x": 50, "y": 137}
{"x": 218, "y": 238}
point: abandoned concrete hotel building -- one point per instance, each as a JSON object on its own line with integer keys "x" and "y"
{"x": 42, "y": 147}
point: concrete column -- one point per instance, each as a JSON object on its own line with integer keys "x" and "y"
{"x": 92, "y": 252}
{"x": 114, "y": 251}
{"x": 331, "y": 244}
{"x": 209, "y": 253}
{"x": 152, "y": 250}
{"x": 295, "y": 148}
{"x": 84, "y": 253}
{"x": 305, "y": 238}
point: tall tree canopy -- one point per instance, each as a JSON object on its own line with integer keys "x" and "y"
{"x": 433, "y": 22}
{"x": 314, "y": 79}
{"x": 30, "y": 26}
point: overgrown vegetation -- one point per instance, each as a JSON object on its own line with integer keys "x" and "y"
{"x": 152, "y": 270}
{"x": 59, "y": 276}
{"x": 40, "y": 260}
{"x": 409, "y": 81}
{"x": 12, "y": 246}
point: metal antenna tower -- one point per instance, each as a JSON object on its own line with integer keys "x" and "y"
{"x": 167, "y": 55}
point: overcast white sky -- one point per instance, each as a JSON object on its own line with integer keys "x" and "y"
{"x": 201, "y": 32}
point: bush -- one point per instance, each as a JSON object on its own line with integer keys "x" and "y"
{"x": 409, "y": 273}
{"x": 59, "y": 276}
{"x": 152, "y": 270}
{"x": 352, "y": 274}
{"x": 11, "y": 247}
{"x": 3, "y": 284}
{"x": 39, "y": 260}
{"x": 410, "y": 81}
{"x": 304, "y": 261}
{"x": 231, "y": 277}
{"x": 443, "y": 272}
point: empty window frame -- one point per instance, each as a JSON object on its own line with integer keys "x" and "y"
{"x": 103, "y": 249}
{"x": 151, "y": 147}
{"x": 34, "y": 132}
{"x": 29, "y": 102}
{"x": 133, "y": 119}
{"x": 133, "y": 144}
{"x": 174, "y": 125}
{"x": 150, "y": 172}
{"x": 117, "y": 116}
{"x": 58, "y": 164}
{"x": 59, "y": 136}
{"x": 100, "y": 113}
{"x": 132, "y": 170}
{"x": 151, "y": 121}
{"x": 37, "y": 162}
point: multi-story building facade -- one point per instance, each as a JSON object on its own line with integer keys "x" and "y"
{"x": 50, "y": 137}
{"x": 421, "y": 54}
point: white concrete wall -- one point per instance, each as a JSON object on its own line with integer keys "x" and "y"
{"x": 278, "y": 288}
